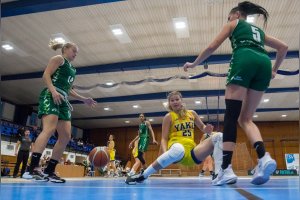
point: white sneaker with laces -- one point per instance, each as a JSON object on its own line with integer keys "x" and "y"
{"x": 263, "y": 170}
{"x": 36, "y": 175}
{"x": 27, "y": 175}
{"x": 225, "y": 176}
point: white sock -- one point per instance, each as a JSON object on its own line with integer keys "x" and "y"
{"x": 150, "y": 170}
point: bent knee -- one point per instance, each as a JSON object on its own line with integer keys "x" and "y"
{"x": 177, "y": 150}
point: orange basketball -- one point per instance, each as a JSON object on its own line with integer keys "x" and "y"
{"x": 99, "y": 157}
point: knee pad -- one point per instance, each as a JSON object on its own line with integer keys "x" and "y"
{"x": 232, "y": 113}
{"x": 174, "y": 154}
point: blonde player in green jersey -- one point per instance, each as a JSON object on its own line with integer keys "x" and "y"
{"x": 249, "y": 76}
{"x": 55, "y": 111}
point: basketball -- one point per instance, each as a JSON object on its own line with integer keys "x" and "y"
{"x": 99, "y": 157}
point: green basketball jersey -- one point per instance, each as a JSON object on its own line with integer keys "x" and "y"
{"x": 143, "y": 130}
{"x": 64, "y": 76}
{"x": 248, "y": 36}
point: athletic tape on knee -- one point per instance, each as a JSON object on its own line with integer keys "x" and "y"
{"x": 174, "y": 154}
{"x": 232, "y": 113}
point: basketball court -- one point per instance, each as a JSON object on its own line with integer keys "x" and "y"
{"x": 162, "y": 188}
{"x": 131, "y": 56}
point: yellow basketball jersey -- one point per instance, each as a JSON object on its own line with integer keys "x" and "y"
{"x": 135, "y": 152}
{"x": 182, "y": 129}
{"x": 112, "y": 154}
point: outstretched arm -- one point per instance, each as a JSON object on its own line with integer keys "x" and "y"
{"x": 136, "y": 138}
{"x": 152, "y": 132}
{"x": 221, "y": 37}
{"x": 87, "y": 100}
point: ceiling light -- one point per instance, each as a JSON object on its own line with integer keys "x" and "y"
{"x": 59, "y": 40}
{"x": 120, "y": 33}
{"x": 7, "y": 47}
{"x": 117, "y": 31}
{"x": 151, "y": 120}
{"x": 180, "y": 25}
{"x": 106, "y": 108}
{"x": 255, "y": 116}
{"x": 197, "y": 102}
{"x": 266, "y": 100}
{"x": 110, "y": 83}
{"x": 201, "y": 117}
{"x": 135, "y": 106}
{"x": 127, "y": 122}
{"x": 283, "y": 115}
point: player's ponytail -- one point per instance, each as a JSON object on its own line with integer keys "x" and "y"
{"x": 53, "y": 44}
{"x": 247, "y": 8}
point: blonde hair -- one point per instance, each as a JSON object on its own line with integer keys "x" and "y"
{"x": 182, "y": 112}
{"x": 56, "y": 45}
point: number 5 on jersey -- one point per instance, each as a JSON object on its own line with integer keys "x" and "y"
{"x": 256, "y": 34}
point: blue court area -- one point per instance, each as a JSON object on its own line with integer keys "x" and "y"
{"x": 152, "y": 189}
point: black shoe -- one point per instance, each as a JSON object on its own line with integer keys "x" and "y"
{"x": 56, "y": 179}
{"x": 15, "y": 176}
{"x": 140, "y": 179}
{"x": 213, "y": 176}
{"x": 132, "y": 180}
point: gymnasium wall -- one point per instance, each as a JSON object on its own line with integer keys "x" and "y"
{"x": 279, "y": 139}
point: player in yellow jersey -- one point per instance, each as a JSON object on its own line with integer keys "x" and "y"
{"x": 177, "y": 143}
{"x": 112, "y": 154}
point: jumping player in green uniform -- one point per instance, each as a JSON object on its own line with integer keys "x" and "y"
{"x": 249, "y": 76}
{"x": 55, "y": 111}
{"x": 144, "y": 137}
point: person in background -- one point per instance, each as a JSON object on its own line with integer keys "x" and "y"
{"x": 22, "y": 153}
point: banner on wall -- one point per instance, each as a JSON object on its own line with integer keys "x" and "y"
{"x": 292, "y": 161}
